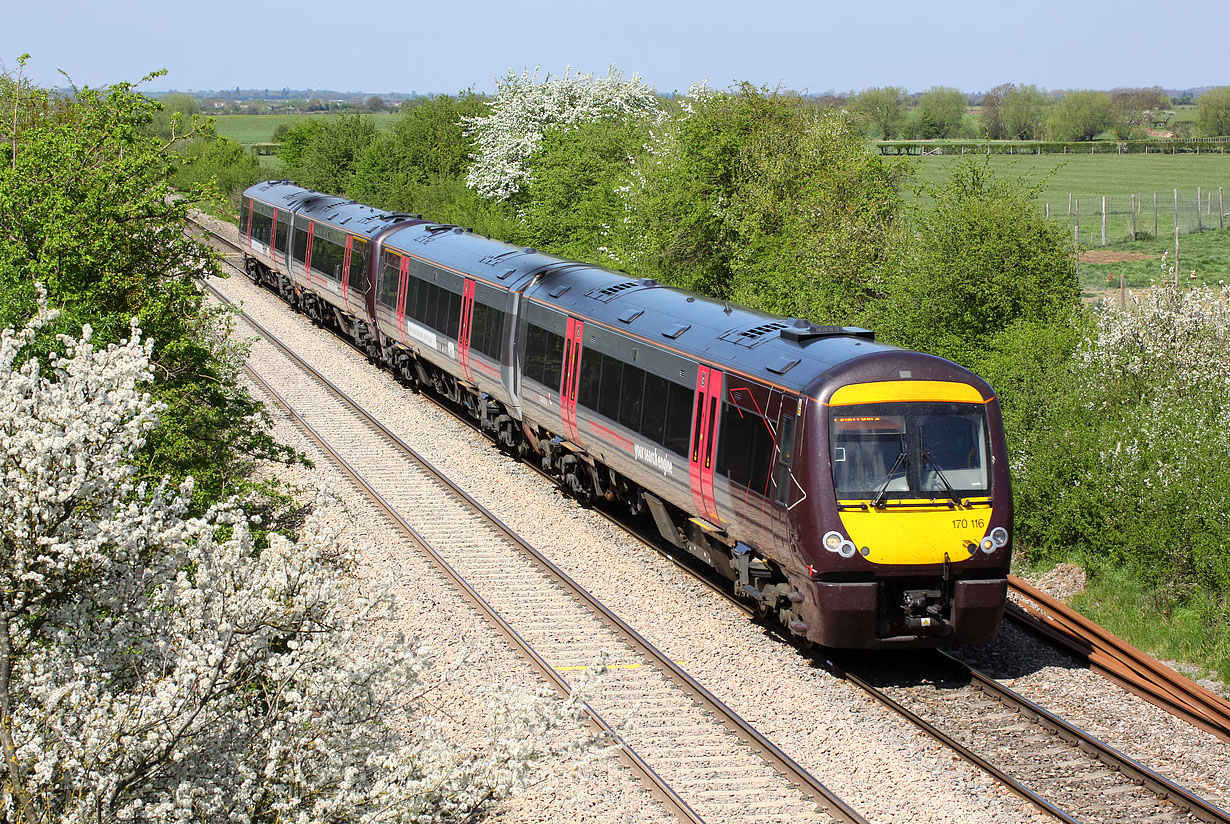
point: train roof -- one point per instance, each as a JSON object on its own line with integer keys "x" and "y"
{"x": 789, "y": 352}
{"x": 340, "y": 212}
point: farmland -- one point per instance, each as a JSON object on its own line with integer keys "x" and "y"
{"x": 246, "y": 129}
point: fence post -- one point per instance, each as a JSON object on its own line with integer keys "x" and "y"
{"x": 1103, "y": 220}
{"x": 1221, "y": 209}
{"x": 1122, "y": 292}
{"x": 1199, "y": 222}
{"x": 1133, "y": 218}
{"x": 1176, "y": 257}
{"x": 1176, "y": 210}
{"x": 1155, "y": 215}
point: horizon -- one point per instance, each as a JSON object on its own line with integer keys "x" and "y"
{"x": 811, "y": 48}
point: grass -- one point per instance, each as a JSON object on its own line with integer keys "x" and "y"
{"x": 246, "y": 129}
{"x": 1206, "y": 253}
{"x": 1089, "y": 177}
{"x": 1189, "y": 627}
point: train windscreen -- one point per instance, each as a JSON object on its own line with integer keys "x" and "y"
{"x": 911, "y": 450}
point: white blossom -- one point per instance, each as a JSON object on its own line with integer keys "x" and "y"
{"x": 524, "y": 109}
{"x": 158, "y": 667}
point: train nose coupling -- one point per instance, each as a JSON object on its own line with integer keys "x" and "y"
{"x": 924, "y": 609}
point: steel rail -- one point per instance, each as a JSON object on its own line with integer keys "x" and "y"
{"x": 772, "y": 754}
{"x": 1119, "y": 661}
{"x": 1103, "y": 752}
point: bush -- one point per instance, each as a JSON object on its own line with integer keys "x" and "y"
{"x": 158, "y": 667}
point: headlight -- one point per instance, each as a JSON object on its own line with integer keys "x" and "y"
{"x": 987, "y": 545}
{"x": 847, "y": 549}
{"x": 832, "y": 541}
{"x": 999, "y": 537}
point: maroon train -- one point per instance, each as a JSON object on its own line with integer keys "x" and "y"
{"x": 857, "y": 490}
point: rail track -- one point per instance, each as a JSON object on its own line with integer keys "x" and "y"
{"x": 1058, "y": 767}
{"x": 703, "y": 760}
{"x": 1064, "y": 772}
{"x": 1117, "y": 660}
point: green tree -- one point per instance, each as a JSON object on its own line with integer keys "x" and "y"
{"x": 294, "y": 140}
{"x": 1213, "y": 112}
{"x": 573, "y": 197}
{"x": 326, "y": 160}
{"x": 1081, "y": 115}
{"x": 882, "y": 109}
{"x": 426, "y": 146}
{"x": 765, "y": 199}
{"x": 220, "y": 163}
{"x": 176, "y": 112}
{"x": 376, "y": 103}
{"x": 979, "y": 261}
{"x": 85, "y": 208}
{"x": 1023, "y": 113}
{"x": 990, "y": 113}
{"x": 941, "y": 113}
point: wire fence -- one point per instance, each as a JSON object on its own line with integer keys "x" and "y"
{"x": 1106, "y": 219}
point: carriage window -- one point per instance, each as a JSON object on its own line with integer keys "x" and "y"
{"x": 299, "y": 247}
{"x": 390, "y": 273}
{"x": 327, "y": 256}
{"x": 610, "y": 391}
{"x": 262, "y": 227}
{"x": 657, "y": 396}
{"x": 591, "y": 378}
{"x": 631, "y": 397}
{"x": 544, "y": 356}
{"x": 450, "y": 324}
{"x": 279, "y": 240}
{"x": 745, "y": 449}
{"x": 678, "y": 419}
{"x": 357, "y": 279}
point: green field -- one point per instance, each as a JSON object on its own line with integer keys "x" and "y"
{"x": 246, "y": 129}
{"x": 1079, "y": 182}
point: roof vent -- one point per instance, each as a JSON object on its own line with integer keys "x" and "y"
{"x": 801, "y": 336}
{"x": 754, "y": 335}
{"x": 606, "y": 293}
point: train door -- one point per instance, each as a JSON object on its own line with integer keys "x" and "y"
{"x": 403, "y": 281}
{"x": 467, "y": 327}
{"x": 706, "y": 406}
{"x": 345, "y": 270}
{"x": 571, "y": 378}
{"x": 273, "y": 235}
{"x": 307, "y": 256}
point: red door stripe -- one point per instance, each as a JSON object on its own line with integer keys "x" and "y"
{"x": 403, "y": 277}
{"x": 712, "y": 413}
{"x": 467, "y": 321}
{"x": 345, "y": 268}
{"x": 307, "y": 257}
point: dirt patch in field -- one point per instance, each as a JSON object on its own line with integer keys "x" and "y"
{"x": 1098, "y": 256}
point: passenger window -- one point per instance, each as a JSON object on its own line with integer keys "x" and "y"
{"x": 653, "y": 418}
{"x": 631, "y": 397}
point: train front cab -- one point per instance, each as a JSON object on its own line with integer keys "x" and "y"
{"x": 908, "y": 540}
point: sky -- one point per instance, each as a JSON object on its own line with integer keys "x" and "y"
{"x": 445, "y": 48}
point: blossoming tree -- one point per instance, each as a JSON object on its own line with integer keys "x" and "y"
{"x": 157, "y": 667}
{"x": 524, "y": 110}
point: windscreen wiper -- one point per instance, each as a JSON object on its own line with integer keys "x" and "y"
{"x": 878, "y": 500}
{"x": 929, "y": 461}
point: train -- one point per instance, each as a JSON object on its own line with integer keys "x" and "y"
{"x": 855, "y": 491}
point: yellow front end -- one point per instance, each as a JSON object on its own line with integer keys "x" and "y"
{"x": 916, "y": 530}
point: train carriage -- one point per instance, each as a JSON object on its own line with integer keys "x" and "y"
{"x": 857, "y": 491}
